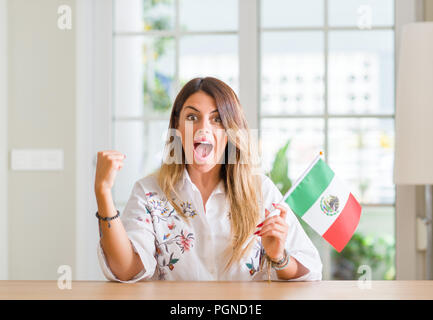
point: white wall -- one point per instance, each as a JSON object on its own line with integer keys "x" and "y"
{"x": 41, "y": 114}
{"x": 3, "y": 144}
{"x": 410, "y": 263}
{"x": 59, "y": 84}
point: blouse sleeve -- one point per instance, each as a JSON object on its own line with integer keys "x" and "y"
{"x": 298, "y": 244}
{"x": 138, "y": 225}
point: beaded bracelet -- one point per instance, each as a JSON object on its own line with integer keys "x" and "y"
{"x": 281, "y": 264}
{"x": 108, "y": 218}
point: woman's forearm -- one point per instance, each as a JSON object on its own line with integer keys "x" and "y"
{"x": 120, "y": 256}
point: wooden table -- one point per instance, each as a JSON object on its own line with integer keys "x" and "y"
{"x": 104, "y": 290}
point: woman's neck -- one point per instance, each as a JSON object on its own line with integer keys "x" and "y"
{"x": 205, "y": 181}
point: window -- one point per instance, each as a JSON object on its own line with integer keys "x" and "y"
{"x": 158, "y": 47}
{"x": 326, "y": 82}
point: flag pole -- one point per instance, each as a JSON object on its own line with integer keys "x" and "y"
{"x": 276, "y": 212}
{"x": 301, "y": 177}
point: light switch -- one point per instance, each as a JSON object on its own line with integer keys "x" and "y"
{"x": 37, "y": 159}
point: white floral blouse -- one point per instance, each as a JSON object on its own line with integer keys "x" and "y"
{"x": 170, "y": 249}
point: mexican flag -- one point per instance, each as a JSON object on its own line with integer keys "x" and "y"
{"x": 325, "y": 203}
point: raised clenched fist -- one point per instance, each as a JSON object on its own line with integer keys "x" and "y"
{"x": 108, "y": 163}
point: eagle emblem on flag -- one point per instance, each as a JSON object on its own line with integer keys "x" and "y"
{"x": 329, "y": 205}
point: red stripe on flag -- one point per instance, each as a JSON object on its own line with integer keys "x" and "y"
{"x": 342, "y": 230}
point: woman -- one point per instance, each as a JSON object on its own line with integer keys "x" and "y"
{"x": 202, "y": 215}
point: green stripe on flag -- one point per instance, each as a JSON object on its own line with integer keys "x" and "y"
{"x": 310, "y": 188}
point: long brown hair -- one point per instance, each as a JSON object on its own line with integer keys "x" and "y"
{"x": 242, "y": 185}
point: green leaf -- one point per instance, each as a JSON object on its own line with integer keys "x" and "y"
{"x": 280, "y": 169}
{"x": 368, "y": 250}
{"x": 173, "y": 261}
{"x": 249, "y": 265}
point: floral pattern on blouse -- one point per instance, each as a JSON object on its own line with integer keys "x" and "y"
{"x": 171, "y": 248}
{"x": 163, "y": 212}
{"x": 184, "y": 241}
{"x": 187, "y": 209}
{"x": 256, "y": 258}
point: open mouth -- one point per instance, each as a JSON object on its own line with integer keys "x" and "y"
{"x": 202, "y": 149}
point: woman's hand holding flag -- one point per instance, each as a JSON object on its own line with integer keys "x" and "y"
{"x": 274, "y": 230}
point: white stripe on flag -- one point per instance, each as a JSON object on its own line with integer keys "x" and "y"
{"x": 316, "y": 218}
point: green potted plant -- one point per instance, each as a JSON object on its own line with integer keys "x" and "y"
{"x": 375, "y": 252}
{"x": 279, "y": 173}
